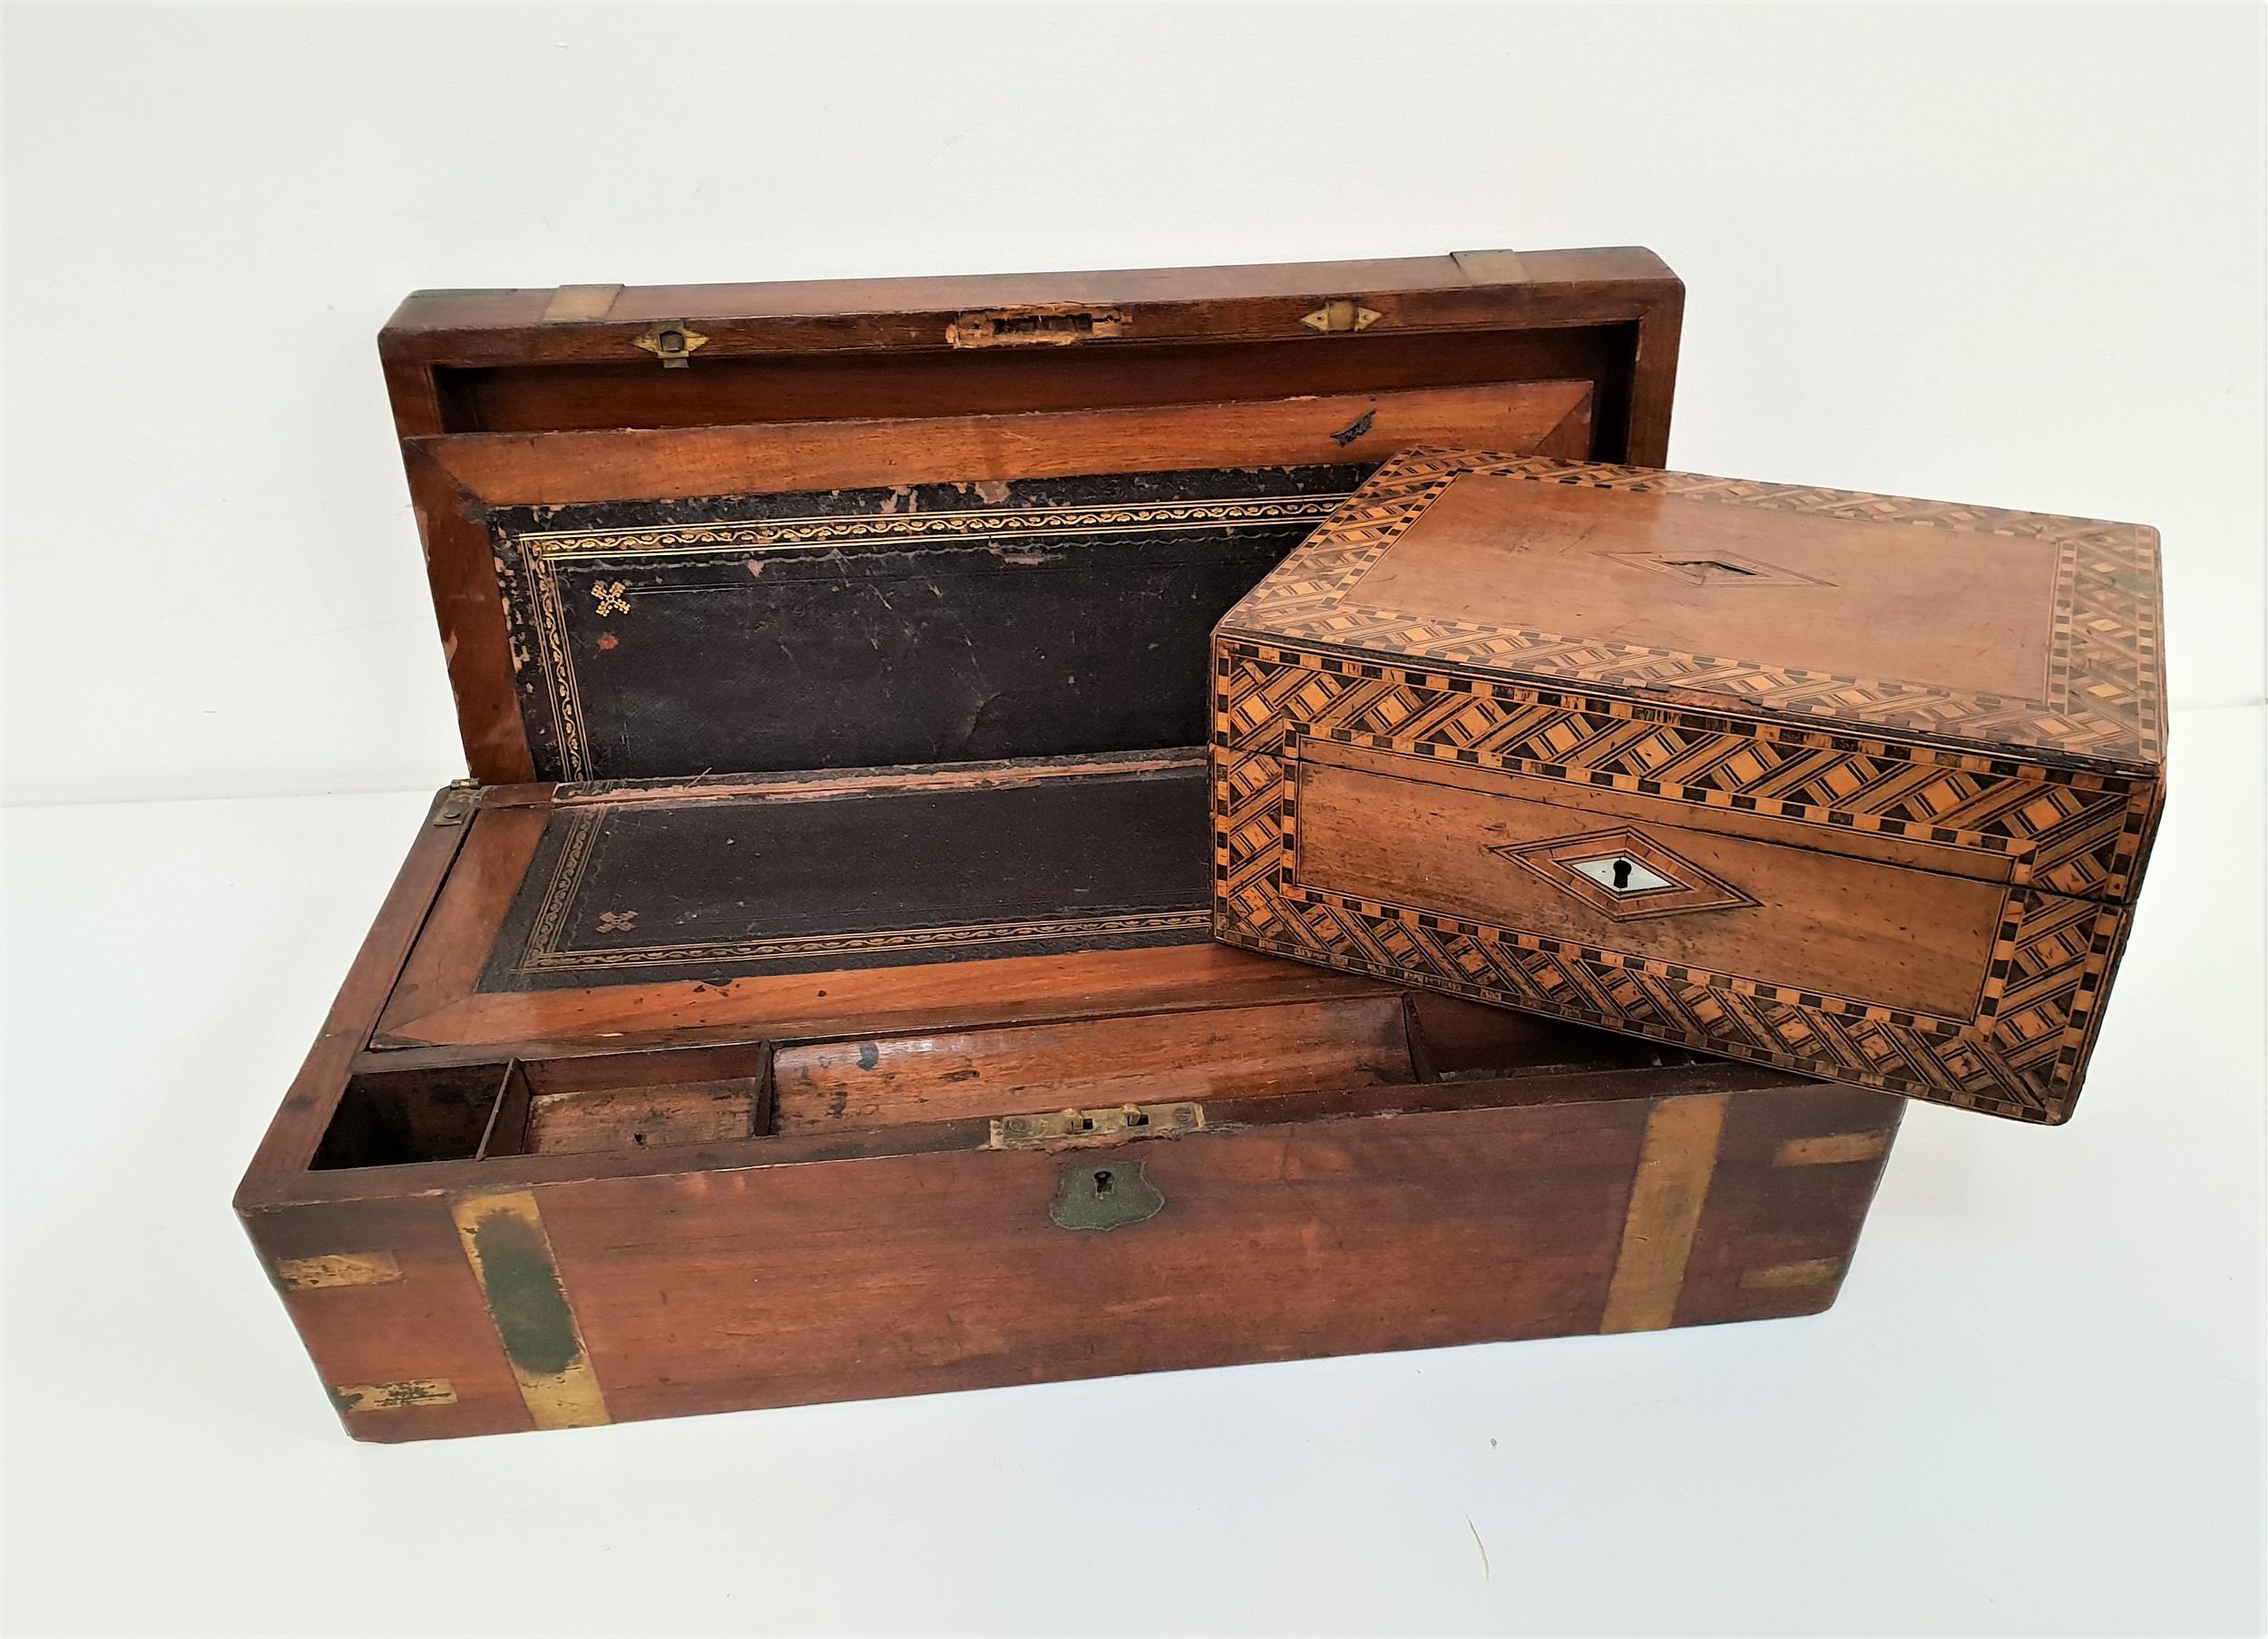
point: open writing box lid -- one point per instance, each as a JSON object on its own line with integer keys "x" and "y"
{"x": 1108, "y": 460}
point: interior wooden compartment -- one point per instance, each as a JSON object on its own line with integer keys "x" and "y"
{"x": 1141, "y": 1058}
{"x": 549, "y": 1106}
{"x": 614, "y": 1101}
{"x": 944, "y": 382}
{"x": 1241, "y": 1054}
{"x": 430, "y": 1113}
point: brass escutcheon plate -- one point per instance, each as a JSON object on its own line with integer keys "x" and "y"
{"x": 1109, "y": 1196}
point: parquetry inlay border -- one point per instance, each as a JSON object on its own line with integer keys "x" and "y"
{"x": 2068, "y": 833}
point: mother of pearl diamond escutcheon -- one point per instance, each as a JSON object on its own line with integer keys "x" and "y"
{"x": 1621, "y": 874}
{"x": 1626, "y": 875}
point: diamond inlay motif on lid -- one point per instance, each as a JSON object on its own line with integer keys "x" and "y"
{"x": 1625, "y": 874}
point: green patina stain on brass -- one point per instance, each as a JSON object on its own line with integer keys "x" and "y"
{"x": 530, "y": 1311}
{"x": 1098, "y": 1194}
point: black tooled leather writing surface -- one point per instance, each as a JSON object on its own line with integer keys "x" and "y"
{"x": 856, "y": 629}
{"x": 632, "y": 892}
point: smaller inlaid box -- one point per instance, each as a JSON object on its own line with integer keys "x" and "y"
{"x": 1856, "y": 787}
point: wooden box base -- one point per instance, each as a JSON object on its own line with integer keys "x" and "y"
{"x": 504, "y": 1209}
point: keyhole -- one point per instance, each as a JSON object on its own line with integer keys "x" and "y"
{"x": 1102, "y": 1183}
{"x": 1622, "y": 875}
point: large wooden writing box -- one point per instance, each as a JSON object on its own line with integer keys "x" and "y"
{"x": 811, "y": 994}
{"x": 1854, "y": 785}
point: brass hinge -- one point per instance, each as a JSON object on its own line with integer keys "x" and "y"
{"x": 1097, "y": 1126}
{"x": 457, "y": 803}
{"x": 672, "y": 343}
{"x": 1332, "y": 317}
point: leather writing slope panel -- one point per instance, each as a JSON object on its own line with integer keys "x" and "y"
{"x": 916, "y": 623}
{"x": 624, "y": 891}
{"x": 1855, "y": 785}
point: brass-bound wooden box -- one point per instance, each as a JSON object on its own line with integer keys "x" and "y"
{"x": 1858, "y": 787}
{"x": 811, "y": 994}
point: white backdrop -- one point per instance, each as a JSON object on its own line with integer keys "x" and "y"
{"x": 2009, "y": 255}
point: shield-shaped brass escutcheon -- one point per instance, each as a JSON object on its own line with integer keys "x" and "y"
{"x": 1104, "y": 1195}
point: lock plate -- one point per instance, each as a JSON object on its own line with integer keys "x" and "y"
{"x": 1096, "y": 1126}
{"x": 672, "y": 342}
{"x": 1048, "y": 325}
{"x": 1088, "y": 1197}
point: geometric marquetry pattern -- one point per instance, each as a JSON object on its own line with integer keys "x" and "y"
{"x": 2074, "y": 840}
{"x": 2106, "y": 671}
{"x": 2069, "y": 831}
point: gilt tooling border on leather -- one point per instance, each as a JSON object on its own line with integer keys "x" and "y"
{"x": 2073, "y": 839}
{"x": 2104, "y": 695}
{"x": 937, "y": 622}
{"x": 630, "y": 891}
